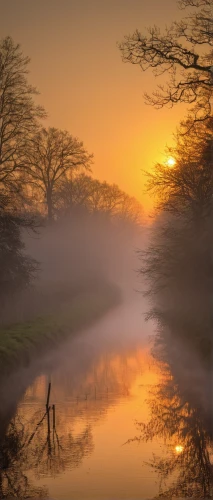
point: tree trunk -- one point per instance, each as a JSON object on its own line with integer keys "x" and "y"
{"x": 49, "y": 205}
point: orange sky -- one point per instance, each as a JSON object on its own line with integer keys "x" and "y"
{"x": 84, "y": 85}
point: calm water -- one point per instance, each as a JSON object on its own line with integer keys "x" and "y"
{"x": 101, "y": 386}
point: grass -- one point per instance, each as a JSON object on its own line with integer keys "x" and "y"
{"x": 19, "y": 343}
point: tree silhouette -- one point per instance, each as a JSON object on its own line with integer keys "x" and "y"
{"x": 184, "y": 52}
{"x": 17, "y": 269}
{"x": 18, "y": 113}
{"x": 186, "y": 189}
{"x": 96, "y": 197}
{"x": 54, "y": 154}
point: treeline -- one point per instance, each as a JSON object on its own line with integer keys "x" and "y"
{"x": 45, "y": 175}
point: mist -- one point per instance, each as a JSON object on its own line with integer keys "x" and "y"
{"x": 77, "y": 254}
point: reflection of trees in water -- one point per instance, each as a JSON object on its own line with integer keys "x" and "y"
{"x": 41, "y": 445}
{"x": 14, "y": 464}
{"x": 98, "y": 385}
{"x": 111, "y": 372}
{"x": 184, "y": 422}
{"x": 55, "y": 448}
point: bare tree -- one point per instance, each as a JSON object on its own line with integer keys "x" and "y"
{"x": 185, "y": 52}
{"x": 53, "y": 155}
{"x": 18, "y": 112}
{"x": 105, "y": 197}
{"x": 177, "y": 265}
{"x": 75, "y": 192}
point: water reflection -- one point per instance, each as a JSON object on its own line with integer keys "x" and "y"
{"x": 15, "y": 461}
{"x": 185, "y": 424}
{"x": 39, "y": 443}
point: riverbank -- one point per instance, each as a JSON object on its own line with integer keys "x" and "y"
{"x": 22, "y": 342}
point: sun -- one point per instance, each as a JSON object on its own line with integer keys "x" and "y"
{"x": 179, "y": 448}
{"x": 170, "y": 162}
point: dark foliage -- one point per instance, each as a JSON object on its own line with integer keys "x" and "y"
{"x": 17, "y": 269}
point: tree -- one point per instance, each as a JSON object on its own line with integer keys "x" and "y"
{"x": 181, "y": 52}
{"x": 96, "y": 197}
{"x": 187, "y": 189}
{"x": 74, "y": 192}
{"x": 17, "y": 269}
{"x": 105, "y": 197}
{"x": 177, "y": 265}
{"x": 54, "y": 155}
{"x": 18, "y": 113}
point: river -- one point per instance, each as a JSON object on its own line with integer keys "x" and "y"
{"x": 83, "y": 447}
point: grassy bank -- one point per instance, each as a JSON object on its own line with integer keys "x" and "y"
{"x": 21, "y": 342}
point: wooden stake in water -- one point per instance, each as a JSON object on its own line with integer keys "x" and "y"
{"x": 53, "y": 417}
{"x": 48, "y": 396}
